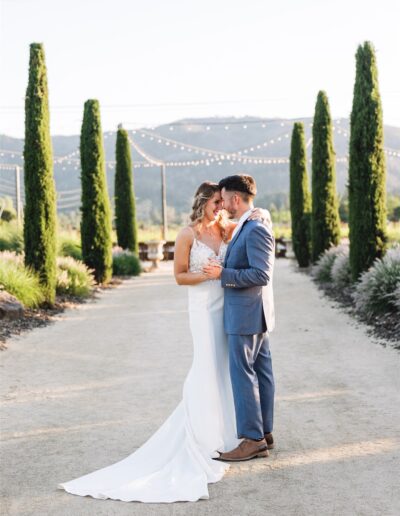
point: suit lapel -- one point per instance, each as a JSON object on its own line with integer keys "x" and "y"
{"x": 231, "y": 243}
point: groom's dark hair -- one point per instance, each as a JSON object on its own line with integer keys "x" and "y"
{"x": 241, "y": 183}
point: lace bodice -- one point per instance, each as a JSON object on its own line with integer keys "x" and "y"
{"x": 201, "y": 252}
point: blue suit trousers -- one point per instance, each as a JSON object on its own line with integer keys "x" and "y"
{"x": 252, "y": 383}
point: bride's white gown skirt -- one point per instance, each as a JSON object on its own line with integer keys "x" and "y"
{"x": 176, "y": 463}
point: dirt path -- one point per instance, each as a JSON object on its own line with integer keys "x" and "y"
{"x": 86, "y": 391}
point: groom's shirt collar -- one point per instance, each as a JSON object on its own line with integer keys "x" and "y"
{"x": 241, "y": 221}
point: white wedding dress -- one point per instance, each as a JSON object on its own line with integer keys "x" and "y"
{"x": 176, "y": 463}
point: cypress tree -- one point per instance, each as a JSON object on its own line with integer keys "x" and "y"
{"x": 96, "y": 213}
{"x": 300, "y": 198}
{"x": 367, "y": 167}
{"x": 40, "y": 196}
{"x": 125, "y": 209}
{"x": 325, "y": 221}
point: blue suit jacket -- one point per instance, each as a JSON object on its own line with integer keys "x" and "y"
{"x": 248, "y": 268}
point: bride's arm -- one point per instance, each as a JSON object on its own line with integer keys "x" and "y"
{"x": 183, "y": 245}
{"x": 260, "y": 214}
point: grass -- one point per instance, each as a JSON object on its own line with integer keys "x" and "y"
{"x": 20, "y": 282}
{"x": 73, "y": 277}
{"x": 11, "y": 238}
{"x": 69, "y": 244}
{"x": 394, "y": 232}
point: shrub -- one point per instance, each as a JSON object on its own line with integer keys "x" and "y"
{"x": 40, "y": 194}
{"x": 396, "y": 298}
{"x": 7, "y": 215}
{"x": 377, "y": 292}
{"x": 11, "y": 238}
{"x": 367, "y": 167}
{"x": 73, "y": 277}
{"x": 125, "y": 263}
{"x": 341, "y": 272}
{"x": 322, "y": 270}
{"x": 125, "y": 204}
{"x": 325, "y": 222}
{"x": 96, "y": 213}
{"x": 19, "y": 280}
{"x": 7, "y": 211}
{"x": 300, "y": 199}
{"x": 70, "y": 247}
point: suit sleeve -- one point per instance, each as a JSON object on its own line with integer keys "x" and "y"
{"x": 260, "y": 247}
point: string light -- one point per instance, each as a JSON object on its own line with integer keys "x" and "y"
{"x": 194, "y": 148}
{"x": 7, "y": 166}
{"x": 202, "y": 150}
{"x": 213, "y": 156}
{"x": 144, "y": 155}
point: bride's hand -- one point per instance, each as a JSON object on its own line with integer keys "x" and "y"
{"x": 213, "y": 269}
{"x": 261, "y": 215}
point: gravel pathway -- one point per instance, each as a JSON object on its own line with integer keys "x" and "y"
{"x": 87, "y": 390}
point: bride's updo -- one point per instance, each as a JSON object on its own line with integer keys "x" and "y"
{"x": 203, "y": 194}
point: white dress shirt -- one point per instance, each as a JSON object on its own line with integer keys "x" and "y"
{"x": 241, "y": 221}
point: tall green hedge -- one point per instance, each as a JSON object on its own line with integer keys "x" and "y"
{"x": 367, "y": 167}
{"x": 300, "y": 198}
{"x": 40, "y": 196}
{"x": 325, "y": 221}
{"x": 96, "y": 213}
{"x": 125, "y": 206}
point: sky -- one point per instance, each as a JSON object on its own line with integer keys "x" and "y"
{"x": 156, "y": 61}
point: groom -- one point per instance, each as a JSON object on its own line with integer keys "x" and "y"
{"x": 248, "y": 319}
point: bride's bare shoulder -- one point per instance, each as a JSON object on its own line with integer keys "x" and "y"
{"x": 186, "y": 235}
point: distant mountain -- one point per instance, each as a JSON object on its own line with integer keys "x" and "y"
{"x": 228, "y": 135}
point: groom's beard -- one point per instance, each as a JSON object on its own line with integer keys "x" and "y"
{"x": 231, "y": 215}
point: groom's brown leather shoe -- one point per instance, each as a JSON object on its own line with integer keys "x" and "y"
{"x": 270, "y": 440}
{"x": 247, "y": 449}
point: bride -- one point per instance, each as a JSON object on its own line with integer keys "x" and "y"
{"x": 176, "y": 463}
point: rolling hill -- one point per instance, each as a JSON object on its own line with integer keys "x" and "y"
{"x": 264, "y": 138}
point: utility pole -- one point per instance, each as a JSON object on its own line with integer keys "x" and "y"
{"x": 164, "y": 203}
{"x": 156, "y": 162}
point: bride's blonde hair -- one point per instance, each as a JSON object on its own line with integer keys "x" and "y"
{"x": 203, "y": 194}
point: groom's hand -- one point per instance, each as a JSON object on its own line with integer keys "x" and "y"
{"x": 212, "y": 270}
